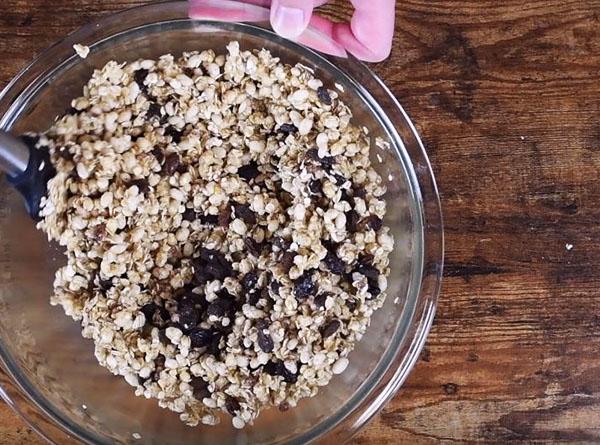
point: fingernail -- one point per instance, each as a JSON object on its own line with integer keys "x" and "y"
{"x": 288, "y": 22}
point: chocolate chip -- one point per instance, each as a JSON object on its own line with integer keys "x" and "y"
{"x": 316, "y": 187}
{"x": 232, "y": 405}
{"x": 153, "y": 110}
{"x": 352, "y": 220}
{"x": 334, "y": 263}
{"x": 287, "y": 129}
{"x": 244, "y": 212}
{"x": 200, "y": 338}
{"x": 265, "y": 342}
{"x": 142, "y": 185}
{"x": 175, "y": 134}
{"x": 224, "y": 216}
{"x": 323, "y": 95}
{"x": 171, "y": 164}
{"x": 286, "y": 261}
{"x": 249, "y": 281}
{"x": 200, "y": 388}
{"x": 155, "y": 315}
{"x": 304, "y": 286}
{"x": 249, "y": 171}
{"x": 189, "y": 215}
{"x": 330, "y": 328}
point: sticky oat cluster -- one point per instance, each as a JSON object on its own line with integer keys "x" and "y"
{"x": 222, "y": 226}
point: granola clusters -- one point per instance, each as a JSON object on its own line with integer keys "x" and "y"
{"x": 222, "y": 226}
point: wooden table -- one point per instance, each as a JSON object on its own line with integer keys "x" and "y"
{"x": 506, "y": 95}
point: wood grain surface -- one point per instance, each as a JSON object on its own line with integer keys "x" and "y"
{"x": 506, "y": 95}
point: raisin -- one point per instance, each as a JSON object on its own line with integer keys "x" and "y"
{"x": 175, "y": 134}
{"x": 253, "y": 246}
{"x": 286, "y": 261}
{"x": 200, "y": 338}
{"x": 200, "y": 388}
{"x": 106, "y": 285}
{"x": 275, "y": 286}
{"x": 249, "y": 281}
{"x": 219, "y": 307}
{"x": 340, "y": 180}
{"x": 232, "y": 405}
{"x": 374, "y": 222}
{"x": 189, "y": 72}
{"x": 171, "y": 164}
{"x": 153, "y": 110}
{"x": 99, "y": 232}
{"x": 249, "y": 171}
{"x": 316, "y": 187}
{"x": 214, "y": 347}
{"x": 330, "y": 328}
{"x": 158, "y": 154}
{"x": 277, "y": 368}
{"x": 304, "y": 286}
{"x": 281, "y": 243}
{"x": 352, "y": 305}
{"x": 253, "y": 298}
{"x": 320, "y": 300}
{"x": 159, "y": 365}
{"x": 65, "y": 154}
{"x": 368, "y": 271}
{"x": 284, "y": 406}
{"x": 359, "y": 191}
{"x": 141, "y": 184}
{"x": 352, "y": 219}
{"x": 212, "y": 265}
{"x": 327, "y": 162}
{"x": 287, "y": 129}
{"x": 139, "y": 76}
{"x": 265, "y": 342}
{"x": 323, "y": 95}
{"x": 189, "y": 215}
{"x": 209, "y": 220}
{"x": 334, "y": 264}
{"x": 224, "y": 216}
{"x": 189, "y": 315}
{"x": 155, "y": 315}
{"x": 373, "y": 287}
{"x": 244, "y": 212}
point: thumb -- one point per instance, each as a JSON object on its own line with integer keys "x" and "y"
{"x": 289, "y": 18}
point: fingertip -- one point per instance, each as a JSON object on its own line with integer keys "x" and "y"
{"x": 289, "y": 18}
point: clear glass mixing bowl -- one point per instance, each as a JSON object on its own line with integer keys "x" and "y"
{"x": 57, "y": 384}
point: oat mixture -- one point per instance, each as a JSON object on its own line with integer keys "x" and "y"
{"x": 223, "y": 230}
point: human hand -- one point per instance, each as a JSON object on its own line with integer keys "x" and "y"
{"x": 368, "y": 36}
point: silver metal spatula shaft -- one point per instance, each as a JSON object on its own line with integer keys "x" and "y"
{"x": 14, "y": 154}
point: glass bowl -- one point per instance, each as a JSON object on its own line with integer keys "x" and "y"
{"x": 57, "y": 384}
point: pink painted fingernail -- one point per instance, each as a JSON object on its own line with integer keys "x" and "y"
{"x": 288, "y": 22}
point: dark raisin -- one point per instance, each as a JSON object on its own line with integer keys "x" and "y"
{"x": 284, "y": 406}
{"x": 142, "y": 185}
{"x": 214, "y": 348}
{"x": 320, "y": 300}
{"x": 249, "y": 171}
{"x": 334, "y": 263}
{"x": 189, "y": 315}
{"x": 209, "y": 220}
{"x": 287, "y": 129}
{"x": 313, "y": 153}
{"x": 175, "y": 134}
{"x": 244, "y": 212}
{"x": 316, "y": 187}
{"x": 323, "y": 95}
{"x": 200, "y": 388}
{"x": 65, "y": 154}
{"x": 275, "y": 286}
{"x": 281, "y": 243}
{"x": 216, "y": 263}
{"x": 74, "y": 111}
{"x": 219, "y": 307}
{"x": 224, "y": 216}
{"x": 330, "y": 328}
{"x": 327, "y": 162}
{"x": 340, "y": 180}
{"x": 253, "y": 297}
{"x": 352, "y": 305}
{"x": 358, "y": 191}
{"x": 249, "y": 281}
{"x": 304, "y": 286}
{"x": 232, "y": 405}
{"x": 105, "y": 285}
{"x": 139, "y": 76}
{"x": 158, "y": 154}
{"x": 368, "y": 271}
{"x": 265, "y": 342}
{"x": 373, "y": 287}
{"x": 200, "y": 338}
{"x": 277, "y": 368}
{"x": 189, "y": 215}
{"x": 171, "y": 164}
{"x": 253, "y": 246}
{"x": 352, "y": 220}
{"x": 159, "y": 364}
{"x": 286, "y": 261}
{"x": 153, "y": 110}
{"x": 155, "y": 315}
{"x": 189, "y": 72}
{"x": 374, "y": 222}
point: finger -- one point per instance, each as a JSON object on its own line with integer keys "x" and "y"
{"x": 370, "y": 32}
{"x": 319, "y": 36}
{"x": 289, "y": 18}
{"x": 229, "y": 10}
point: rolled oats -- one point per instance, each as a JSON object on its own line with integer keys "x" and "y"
{"x": 223, "y": 230}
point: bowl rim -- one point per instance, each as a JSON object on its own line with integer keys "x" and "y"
{"x": 30, "y": 405}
